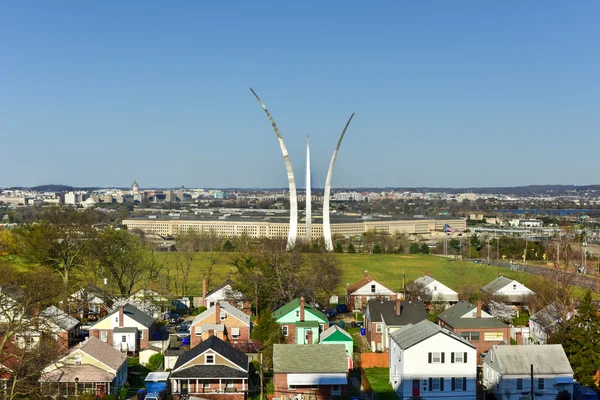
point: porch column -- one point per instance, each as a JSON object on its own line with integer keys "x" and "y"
{"x": 220, "y": 388}
{"x": 243, "y": 385}
{"x": 197, "y": 390}
{"x": 174, "y": 385}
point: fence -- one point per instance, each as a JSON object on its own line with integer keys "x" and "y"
{"x": 370, "y": 360}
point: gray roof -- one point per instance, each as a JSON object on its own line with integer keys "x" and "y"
{"x": 496, "y": 284}
{"x": 60, "y": 318}
{"x": 245, "y": 318}
{"x": 413, "y": 334}
{"x": 452, "y": 317}
{"x": 102, "y": 352}
{"x": 333, "y": 329}
{"x": 135, "y": 314}
{"x": 549, "y": 359}
{"x": 411, "y": 312}
{"x": 425, "y": 280}
{"x": 309, "y": 358}
{"x": 550, "y": 315}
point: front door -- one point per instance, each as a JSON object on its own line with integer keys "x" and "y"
{"x": 416, "y": 385}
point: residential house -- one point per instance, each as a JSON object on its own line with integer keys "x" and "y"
{"x": 336, "y": 335}
{"x": 90, "y": 302}
{"x": 359, "y": 293}
{"x": 125, "y": 328}
{"x": 547, "y": 321}
{"x": 430, "y": 362}
{"x": 223, "y": 320}
{"x": 225, "y": 292}
{"x": 507, "y": 371}
{"x": 508, "y": 290}
{"x": 210, "y": 370}
{"x": 472, "y": 323}
{"x": 91, "y": 367}
{"x": 439, "y": 292}
{"x": 310, "y": 371}
{"x": 65, "y": 328}
{"x": 382, "y": 317}
{"x": 300, "y": 323}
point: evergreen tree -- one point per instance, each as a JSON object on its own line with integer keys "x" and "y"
{"x": 580, "y": 340}
{"x": 267, "y": 332}
{"x": 424, "y": 248}
{"x": 377, "y": 249}
{"x": 228, "y": 246}
{"x": 351, "y": 249}
{"x": 414, "y": 248}
{"x": 339, "y": 248}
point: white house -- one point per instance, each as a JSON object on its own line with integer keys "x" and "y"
{"x": 547, "y": 321}
{"x": 439, "y": 292}
{"x": 513, "y": 290}
{"x": 359, "y": 293}
{"x": 223, "y": 292}
{"x": 507, "y": 371}
{"x": 430, "y": 362}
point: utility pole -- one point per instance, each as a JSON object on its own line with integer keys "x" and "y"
{"x": 532, "y": 391}
{"x": 262, "y": 377}
{"x": 498, "y": 249}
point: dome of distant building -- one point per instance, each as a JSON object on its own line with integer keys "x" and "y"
{"x": 89, "y": 202}
{"x": 135, "y": 188}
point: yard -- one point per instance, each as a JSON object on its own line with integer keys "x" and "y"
{"x": 379, "y": 380}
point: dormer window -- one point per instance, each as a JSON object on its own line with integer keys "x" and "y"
{"x": 210, "y": 359}
{"x": 297, "y": 313}
{"x": 435, "y": 288}
{"x": 78, "y": 359}
{"x": 372, "y": 288}
{"x": 514, "y": 286}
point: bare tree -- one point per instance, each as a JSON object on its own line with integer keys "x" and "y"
{"x": 417, "y": 291}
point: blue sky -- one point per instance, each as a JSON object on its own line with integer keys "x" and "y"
{"x": 466, "y": 93}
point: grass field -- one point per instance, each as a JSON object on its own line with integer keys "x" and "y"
{"x": 379, "y": 380}
{"x": 385, "y": 268}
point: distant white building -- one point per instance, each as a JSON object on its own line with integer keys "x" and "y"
{"x": 507, "y": 371}
{"x": 526, "y": 223}
{"x": 439, "y": 291}
{"x": 430, "y": 362}
{"x": 513, "y": 290}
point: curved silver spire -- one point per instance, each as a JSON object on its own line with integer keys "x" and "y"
{"x": 308, "y": 192}
{"x": 326, "y": 224}
{"x": 291, "y": 181}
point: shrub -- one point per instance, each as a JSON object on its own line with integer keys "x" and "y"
{"x": 155, "y": 362}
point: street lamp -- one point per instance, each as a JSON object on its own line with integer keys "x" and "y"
{"x": 76, "y": 384}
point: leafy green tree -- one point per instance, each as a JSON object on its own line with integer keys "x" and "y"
{"x": 155, "y": 362}
{"x": 580, "y": 340}
{"x": 351, "y": 249}
{"x": 414, "y": 248}
{"x": 338, "y": 247}
{"x": 424, "y": 248}
{"x": 267, "y": 332}
{"x": 227, "y": 246}
{"x": 377, "y": 249}
{"x": 454, "y": 245}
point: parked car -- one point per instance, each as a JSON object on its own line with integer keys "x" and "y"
{"x": 174, "y": 319}
{"x": 342, "y": 309}
{"x": 583, "y": 393}
{"x": 182, "y": 331}
{"x": 331, "y": 313}
{"x": 477, "y": 261}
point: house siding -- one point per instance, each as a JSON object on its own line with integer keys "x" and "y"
{"x": 481, "y": 344}
{"x": 322, "y": 392}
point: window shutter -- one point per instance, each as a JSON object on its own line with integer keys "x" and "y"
{"x": 453, "y": 384}
{"x": 429, "y": 358}
{"x": 443, "y": 358}
{"x": 452, "y": 359}
{"x": 465, "y": 357}
{"x": 442, "y": 384}
{"x": 430, "y": 383}
{"x": 464, "y": 384}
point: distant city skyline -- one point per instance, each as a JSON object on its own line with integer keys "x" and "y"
{"x": 452, "y": 95}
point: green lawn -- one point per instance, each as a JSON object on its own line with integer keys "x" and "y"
{"x": 379, "y": 381}
{"x": 385, "y": 268}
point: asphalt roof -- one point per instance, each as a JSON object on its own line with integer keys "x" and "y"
{"x": 333, "y": 329}
{"x": 357, "y": 285}
{"x": 452, "y": 317}
{"x": 309, "y": 358}
{"x": 549, "y": 359}
{"x": 408, "y": 336}
{"x": 496, "y": 284}
{"x": 411, "y": 312}
{"x": 102, "y": 352}
{"x": 224, "y": 305}
{"x": 135, "y": 314}
{"x": 218, "y": 346}
{"x": 292, "y": 305}
{"x": 60, "y": 318}
{"x": 209, "y": 371}
{"x": 550, "y": 315}
{"x": 227, "y": 282}
{"x": 425, "y": 280}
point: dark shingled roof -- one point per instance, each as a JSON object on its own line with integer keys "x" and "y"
{"x": 135, "y": 314}
{"x": 209, "y": 371}
{"x": 218, "y": 346}
{"x": 452, "y": 317}
{"x": 411, "y": 312}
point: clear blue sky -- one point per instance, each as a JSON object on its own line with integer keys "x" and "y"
{"x": 467, "y": 93}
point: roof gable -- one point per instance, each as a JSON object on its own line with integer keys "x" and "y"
{"x": 132, "y": 312}
{"x": 414, "y": 334}
{"x": 549, "y": 359}
{"x": 225, "y": 290}
{"x": 293, "y": 305}
{"x": 102, "y": 352}
{"x": 361, "y": 283}
{"x": 411, "y": 312}
{"x": 335, "y": 334}
{"x": 459, "y": 316}
{"x": 225, "y": 307}
{"x": 218, "y": 346}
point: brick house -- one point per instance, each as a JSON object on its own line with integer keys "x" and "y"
{"x": 310, "y": 371}
{"x": 475, "y": 325}
{"x": 222, "y": 320}
{"x": 213, "y": 369}
{"x": 359, "y": 293}
{"x": 382, "y": 317}
{"x": 126, "y": 328}
{"x": 300, "y": 323}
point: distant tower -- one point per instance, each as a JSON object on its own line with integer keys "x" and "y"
{"x": 293, "y": 231}
{"x": 135, "y": 188}
{"x": 326, "y": 194}
{"x": 308, "y": 192}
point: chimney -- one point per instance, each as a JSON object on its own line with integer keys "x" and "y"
{"x": 428, "y": 273}
{"x": 479, "y": 303}
{"x": 366, "y": 273}
{"x": 218, "y": 311}
{"x": 301, "y": 309}
{"x": 398, "y": 306}
{"x": 519, "y": 338}
{"x": 211, "y": 332}
{"x": 121, "y": 311}
{"x": 499, "y": 274}
{"x": 204, "y": 292}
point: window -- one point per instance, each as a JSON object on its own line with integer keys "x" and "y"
{"x": 475, "y": 336}
{"x": 515, "y": 287}
{"x": 435, "y": 288}
{"x": 519, "y": 384}
{"x": 297, "y": 313}
{"x": 124, "y": 339}
{"x": 372, "y": 288}
{"x": 229, "y": 383}
{"x": 284, "y": 330}
{"x": 336, "y": 390}
{"x": 459, "y": 358}
{"x": 540, "y": 383}
{"x": 291, "y": 387}
{"x": 378, "y": 328}
{"x": 104, "y": 336}
{"x": 223, "y": 316}
{"x": 493, "y": 336}
{"x": 78, "y": 359}
{"x": 435, "y": 384}
{"x": 209, "y": 359}
{"x": 435, "y": 358}
{"x": 314, "y": 387}
{"x": 235, "y": 333}
{"x": 206, "y": 384}
{"x": 458, "y": 384}
{"x": 466, "y": 335}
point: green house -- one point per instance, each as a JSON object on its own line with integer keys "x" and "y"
{"x": 336, "y": 335}
{"x": 301, "y": 323}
